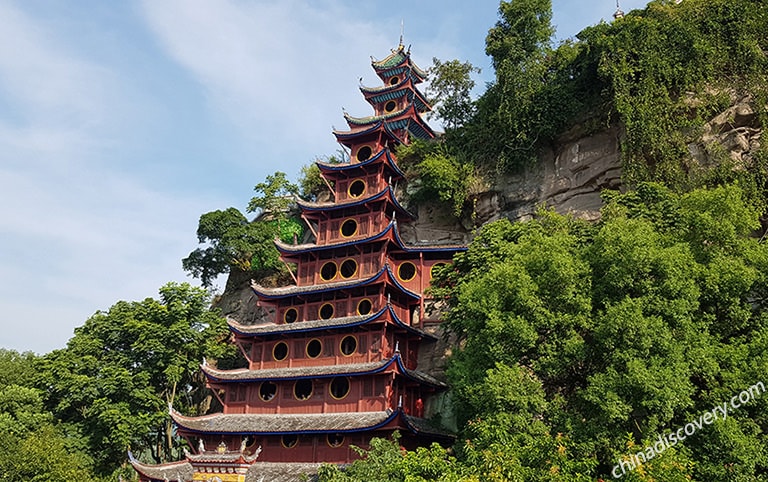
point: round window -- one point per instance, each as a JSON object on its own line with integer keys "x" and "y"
{"x": 328, "y": 271}
{"x": 314, "y": 348}
{"x": 348, "y": 268}
{"x": 364, "y": 307}
{"x": 349, "y": 228}
{"x": 335, "y": 440}
{"x": 356, "y": 188}
{"x": 364, "y": 153}
{"x": 348, "y": 345}
{"x": 267, "y": 391}
{"x": 326, "y": 311}
{"x": 390, "y": 106}
{"x": 406, "y": 271}
{"x": 291, "y": 315}
{"x": 289, "y": 441}
{"x": 280, "y": 351}
{"x": 394, "y": 80}
{"x": 302, "y": 389}
{"x": 339, "y": 387}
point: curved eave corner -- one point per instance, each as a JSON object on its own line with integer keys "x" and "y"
{"x": 294, "y": 249}
{"x": 348, "y": 166}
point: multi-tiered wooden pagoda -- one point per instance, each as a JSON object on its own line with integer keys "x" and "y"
{"x": 335, "y": 363}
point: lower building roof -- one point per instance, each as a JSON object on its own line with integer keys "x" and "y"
{"x": 183, "y": 471}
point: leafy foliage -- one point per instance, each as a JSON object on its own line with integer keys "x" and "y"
{"x": 450, "y": 88}
{"x": 32, "y": 446}
{"x": 124, "y": 367}
{"x": 435, "y": 174}
{"x": 234, "y": 242}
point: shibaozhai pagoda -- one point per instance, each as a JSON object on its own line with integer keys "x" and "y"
{"x": 336, "y": 361}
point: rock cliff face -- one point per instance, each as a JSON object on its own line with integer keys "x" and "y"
{"x": 569, "y": 178}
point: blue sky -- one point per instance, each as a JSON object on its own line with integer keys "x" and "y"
{"x": 122, "y": 122}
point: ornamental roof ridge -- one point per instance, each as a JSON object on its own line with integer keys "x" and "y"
{"x": 397, "y": 58}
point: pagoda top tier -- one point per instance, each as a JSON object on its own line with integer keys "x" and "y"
{"x": 396, "y": 64}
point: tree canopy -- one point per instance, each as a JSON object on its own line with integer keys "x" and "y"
{"x": 117, "y": 376}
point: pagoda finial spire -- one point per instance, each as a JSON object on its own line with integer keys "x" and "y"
{"x": 619, "y": 12}
{"x": 402, "y": 31}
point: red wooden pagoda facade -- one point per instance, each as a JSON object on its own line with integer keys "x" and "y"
{"x": 336, "y": 362}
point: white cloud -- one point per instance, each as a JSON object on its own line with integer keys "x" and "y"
{"x": 76, "y": 234}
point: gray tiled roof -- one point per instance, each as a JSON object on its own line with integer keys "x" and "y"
{"x": 281, "y": 472}
{"x": 283, "y": 423}
{"x": 257, "y": 472}
{"x": 297, "y": 326}
{"x": 171, "y": 471}
{"x": 318, "y": 372}
{"x": 294, "y": 372}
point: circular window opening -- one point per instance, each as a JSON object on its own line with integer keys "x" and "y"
{"x": 339, "y": 387}
{"x": 435, "y": 267}
{"x": 335, "y": 440}
{"x": 280, "y": 351}
{"x": 328, "y": 271}
{"x": 289, "y": 441}
{"x": 357, "y": 188}
{"x": 291, "y": 315}
{"x": 348, "y": 345}
{"x": 394, "y": 80}
{"x": 390, "y": 106}
{"x": 302, "y": 389}
{"x": 326, "y": 311}
{"x": 348, "y": 268}
{"x": 267, "y": 391}
{"x": 406, "y": 271}
{"x": 349, "y": 228}
{"x": 364, "y": 153}
{"x": 364, "y": 307}
{"x": 314, "y": 348}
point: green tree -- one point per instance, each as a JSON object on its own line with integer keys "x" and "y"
{"x": 32, "y": 445}
{"x": 124, "y": 367}
{"x": 450, "y": 91}
{"x": 274, "y": 196}
{"x": 234, "y": 243}
{"x": 388, "y": 461}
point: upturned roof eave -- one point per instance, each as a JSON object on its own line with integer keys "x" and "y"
{"x": 327, "y": 167}
{"x": 283, "y": 329}
{"x": 273, "y": 294}
{"x": 387, "y": 192}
